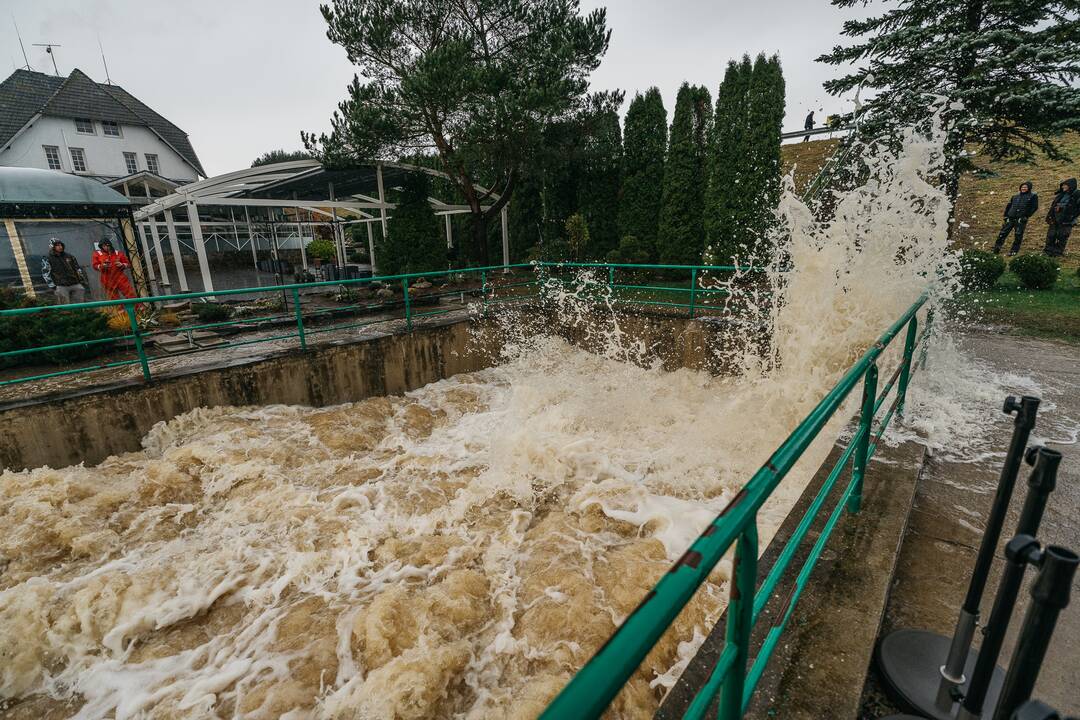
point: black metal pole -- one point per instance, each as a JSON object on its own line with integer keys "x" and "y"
{"x": 1049, "y": 596}
{"x": 1019, "y": 551}
{"x": 1041, "y": 483}
{"x": 952, "y": 672}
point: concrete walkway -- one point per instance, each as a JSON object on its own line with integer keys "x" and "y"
{"x": 951, "y": 504}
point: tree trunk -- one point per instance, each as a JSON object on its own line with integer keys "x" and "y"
{"x": 480, "y": 240}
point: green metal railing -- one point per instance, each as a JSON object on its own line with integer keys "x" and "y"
{"x": 488, "y": 283}
{"x": 734, "y": 677}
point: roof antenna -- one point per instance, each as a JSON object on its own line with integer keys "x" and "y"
{"x": 108, "y": 79}
{"x": 49, "y": 49}
{"x": 21, "y": 46}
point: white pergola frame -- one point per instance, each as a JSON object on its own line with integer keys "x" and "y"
{"x": 228, "y": 191}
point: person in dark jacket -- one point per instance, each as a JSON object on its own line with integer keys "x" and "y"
{"x": 1023, "y": 205}
{"x": 808, "y": 124}
{"x": 63, "y": 274}
{"x": 1064, "y": 209}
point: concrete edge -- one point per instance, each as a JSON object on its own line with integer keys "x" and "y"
{"x": 819, "y": 667}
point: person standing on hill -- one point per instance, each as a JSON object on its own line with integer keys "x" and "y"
{"x": 1064, "y": 209}
{"x": 112, "y": 266}
{"x": 63, "y": 274}
{"x": 808, "y": 124}
{"x": 1022, "y": 206}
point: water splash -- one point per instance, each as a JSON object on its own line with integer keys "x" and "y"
{"x": 462, "y": 550}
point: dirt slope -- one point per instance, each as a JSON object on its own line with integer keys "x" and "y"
{"x": 982, "y": 197}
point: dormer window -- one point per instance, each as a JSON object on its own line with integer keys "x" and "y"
{"x": 110, "y": 128}
{"x": 84, "y": 126}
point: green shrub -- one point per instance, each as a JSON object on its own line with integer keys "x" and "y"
{"x": 1035, "y": 271}
{"x": 209, "y": 312}
{"x": 322, "y": 249}
{"x": 50, "y": 327}
{"x": 631, "y": 251}
{"x": 979, "y": 270}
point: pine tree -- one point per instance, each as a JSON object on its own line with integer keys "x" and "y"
{"x": 413, "y": 242}
{"x": 682, "y": 226}
{"x": 1012, "y": 67}
{"x": 644, "y": 145}
{"x": 476, "y": 83}
{"x": 601, "y": 179}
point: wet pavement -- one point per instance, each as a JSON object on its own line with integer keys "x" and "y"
{"x": 949, "y": 514}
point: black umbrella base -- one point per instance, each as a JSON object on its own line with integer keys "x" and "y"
{"x": 910, "y": 664}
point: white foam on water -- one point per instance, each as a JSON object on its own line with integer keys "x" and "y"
{"x": 460, "y": 551}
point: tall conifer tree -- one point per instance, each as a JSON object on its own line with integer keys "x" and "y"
{"x": 682, "y": 228}
{"x": 726, "y": 199}
{"x": 1009, "y": 68}
{"x": 644, "y": 145}
{"x": 601, "y": 181}
{"x": 766, "y": 117}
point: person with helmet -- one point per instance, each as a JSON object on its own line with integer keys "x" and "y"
{"x": 112, "y": 265}
{"x": 63, "y": 274}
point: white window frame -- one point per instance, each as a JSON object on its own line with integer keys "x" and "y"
{"x": 51, "y": 152}
{"x": 78, "y": 157}
{"x": 80, "y": 131}
{"x": 154, "y": 165}
{"x": 134, "y": 160}
{"x": 119, "y": 132}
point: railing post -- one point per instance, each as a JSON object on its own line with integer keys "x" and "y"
{"x": 408, "y": 309}
{"x": 740, "y": 616}
{"x": 926, "y": 345}
{"x": 693, "y": 290}
{"x": 129, "y": 307}
{"x": 866, "y": 426}
{"x": 905, "y": 368}
{"x": 299, "y": 318}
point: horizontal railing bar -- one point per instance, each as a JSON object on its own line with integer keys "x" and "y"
{"x": 700, "y": 705}
{"x": 256, "y": 291}
{"x": 753, "y": 676}
{"x": 591, "y": 690}
{"x": 792, "y": 545}
{"x": 61, "y": 346}
{"x": 669, "y": 289}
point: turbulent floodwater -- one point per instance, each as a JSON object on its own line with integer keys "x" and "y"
{"x": 456, "y": 552}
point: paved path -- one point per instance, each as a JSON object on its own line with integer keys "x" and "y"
{"x": 950, "y": 511}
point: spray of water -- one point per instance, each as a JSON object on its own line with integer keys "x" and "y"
{"x": 462, "y": 550}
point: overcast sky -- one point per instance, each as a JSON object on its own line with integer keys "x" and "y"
{"x": 245, "y": 76}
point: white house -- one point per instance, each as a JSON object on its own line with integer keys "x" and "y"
{"x": 97, "y": 130}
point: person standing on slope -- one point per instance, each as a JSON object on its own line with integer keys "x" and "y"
{"x": 808, "y": 124}
{"x": 112, "y": 265}
{"x": 1064, "y": 209}
{"x": 1022, "y": 206}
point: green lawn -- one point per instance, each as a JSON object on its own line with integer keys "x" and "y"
{"x": 1046, "y": 313}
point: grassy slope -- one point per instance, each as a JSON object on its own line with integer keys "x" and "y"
{"x": 1053, "y": 313}
{"x": 1047, "y": 313}
{"x": 982, "y": 197}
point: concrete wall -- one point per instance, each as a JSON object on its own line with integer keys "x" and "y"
{"x": 92, "y": 425}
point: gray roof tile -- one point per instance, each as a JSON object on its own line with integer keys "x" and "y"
{"x": 26, "y": 93}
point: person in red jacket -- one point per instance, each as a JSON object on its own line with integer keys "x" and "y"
{"x": 113, "y": 266}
